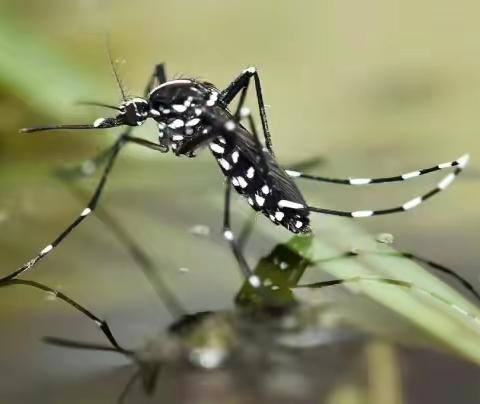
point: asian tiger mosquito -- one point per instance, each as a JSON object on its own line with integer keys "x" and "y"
{"x": 191, "y": 114}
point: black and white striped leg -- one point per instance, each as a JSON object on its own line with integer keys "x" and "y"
{"x": 115, "y": 149}
{"x": 460, "y": 162}
{"x": 408, "y": 255}
{"x": 436, "y": 266}
{"x": 102, "y": 324}
{"x": 241, "y": 83}
{"x": 159, "y": 76}
{"x": 250, "y": 277}
{"x": 138, "y": 254}
{"x": 394, "y": 282}
{"x": 412, "y": 203}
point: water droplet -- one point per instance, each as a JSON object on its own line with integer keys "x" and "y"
{"x": 50, "y": 296}
{"x": 200, "y": 230}
{"x": 88, "y": 167}
{"x": 385, "y": 238}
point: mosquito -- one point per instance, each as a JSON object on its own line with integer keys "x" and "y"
{"x": 192, "y": 114}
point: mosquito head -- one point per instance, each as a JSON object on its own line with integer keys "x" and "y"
{"x": 133, "y": 111}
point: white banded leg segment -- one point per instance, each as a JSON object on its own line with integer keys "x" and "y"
{"x": 412, "y": 203}
{"x": 461, "y": 162}
{"x": 112, "y": 153}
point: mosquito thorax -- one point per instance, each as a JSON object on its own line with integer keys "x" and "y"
{"x": 175, "y": 105}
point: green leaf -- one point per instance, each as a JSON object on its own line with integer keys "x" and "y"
{"x": 432, "y": 307}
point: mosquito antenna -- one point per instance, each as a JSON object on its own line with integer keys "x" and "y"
{"x": 114, "y": 70}
{"x": 97, "y": 104}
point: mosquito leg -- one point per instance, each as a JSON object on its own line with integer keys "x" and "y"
{"x": 102, "y": 324}
{"x": 460, "y": 162}
{"x": 251, "y": 278}
{"x": 90, "y": 206}
{"x": 139, "y": 256}
{"x": 240, "y": 84}
{"x": 444, "y": 183}
{"x": 159, "y": 76}
{"x": 394, "y": 282}
{"x": 435, "y": 266}
{"x": 408, "y": 255}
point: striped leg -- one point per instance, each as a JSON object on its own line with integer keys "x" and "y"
{"x": 250, "y": 277}
{"x": 140, "y": 257}
{"x": 121, "y": 141}
{"x": 408, "y": 255}
{"x": 444, "y": 183}
{"x": 434, "y": 265}
{"x": 460, "y": 162}
{"x": 102, "y": 324}
{"x": 395, "y": 282}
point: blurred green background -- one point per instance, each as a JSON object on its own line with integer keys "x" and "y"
{"x": 374, "y": 87}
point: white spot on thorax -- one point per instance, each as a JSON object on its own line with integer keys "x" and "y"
{"x": 193, "y": 122}
{"x": 250, "y": 172}
{"x": 179, "y": 108}
{"x": 177, "y": 137}
{"x": 235, "y": 156}
{"x": 265, "y": 189}
{"x": 177, "y": 123}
